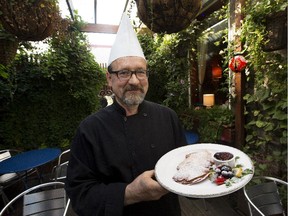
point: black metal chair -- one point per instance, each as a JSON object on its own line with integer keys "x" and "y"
{"x": 263, "y": 197}
{"x": 44, "y": 199}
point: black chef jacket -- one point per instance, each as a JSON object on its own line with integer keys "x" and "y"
{"x": 111, "y": 149}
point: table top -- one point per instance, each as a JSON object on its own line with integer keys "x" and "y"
{"x": 27, "y": 160}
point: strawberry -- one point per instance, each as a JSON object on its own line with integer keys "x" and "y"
{"x": 220, "y": 180}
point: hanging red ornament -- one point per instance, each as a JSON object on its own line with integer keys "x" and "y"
{"x": 238, "y": 63}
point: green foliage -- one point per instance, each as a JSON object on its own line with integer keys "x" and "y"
{"x": 208, "y": 122}
{"x": 46, "y": 95}
{"x": 266, "y": 86}
{"x": 170, "y": 58}
{"x": 266, "y": 98}
{"x": 168, "y": 67}
{"x": 157, "y": 78}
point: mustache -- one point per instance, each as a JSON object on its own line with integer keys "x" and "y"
{"x": 134, "y": 88}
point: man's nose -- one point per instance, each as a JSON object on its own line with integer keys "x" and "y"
{"x": 133, "y": 79}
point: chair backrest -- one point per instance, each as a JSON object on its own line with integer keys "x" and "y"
{"x": 44, "y": 199}
{"x": 59, "y": 172}
{"x": 7, "y": 153}
{"x": 4, "y": 155}
{"x": 64, "y": 156}
{"x": 263, "y": 198}
{"x": 51, "y": 202}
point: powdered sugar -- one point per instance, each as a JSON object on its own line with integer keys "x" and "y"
{"x": 195, "y": 165}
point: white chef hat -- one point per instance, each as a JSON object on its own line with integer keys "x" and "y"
{"x": 126, "y": 42}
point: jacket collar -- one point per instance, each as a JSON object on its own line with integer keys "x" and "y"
{"x": 122, "y": 111}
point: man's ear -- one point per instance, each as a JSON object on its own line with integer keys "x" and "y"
{"x": 108, "y": 78}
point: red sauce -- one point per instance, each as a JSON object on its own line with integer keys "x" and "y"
{"x": 223, "y": 156}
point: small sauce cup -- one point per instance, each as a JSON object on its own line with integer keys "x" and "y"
{"x": 224, "y": 158}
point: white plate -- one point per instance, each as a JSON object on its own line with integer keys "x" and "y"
{"x": 165, "y": 169}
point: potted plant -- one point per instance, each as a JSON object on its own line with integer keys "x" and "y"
{"x": 168, "y": 16}
{"x": 30, "y": 20}
{"x": 8, "y": 46}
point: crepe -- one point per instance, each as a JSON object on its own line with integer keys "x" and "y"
{"x": 194, "y": 168}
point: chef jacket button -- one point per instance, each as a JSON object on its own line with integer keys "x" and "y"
{"x": 145, "y": 114}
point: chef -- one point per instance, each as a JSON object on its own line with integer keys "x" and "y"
{"x": 114, "y": 152}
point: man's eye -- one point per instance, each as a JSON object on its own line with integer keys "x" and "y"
{"x": 124, "y": 73}
{"x": 140, "y": 72}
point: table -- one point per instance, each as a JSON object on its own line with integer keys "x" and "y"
{"x": 28, "y": 160}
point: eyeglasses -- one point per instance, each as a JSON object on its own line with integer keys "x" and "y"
{"x": 124, "y": 75}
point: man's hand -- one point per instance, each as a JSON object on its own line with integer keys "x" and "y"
{"x": 143, "y": 188}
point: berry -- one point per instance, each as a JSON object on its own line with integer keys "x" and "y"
{"x": 225, "y": 168}
{"x": 227, "y": 174}
{"x": 218, "y": 171}
{"x": 220, "y": 180}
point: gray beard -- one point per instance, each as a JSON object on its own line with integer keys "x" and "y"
{"x": 132, "y": 100}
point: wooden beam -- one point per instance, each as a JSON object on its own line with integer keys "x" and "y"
{"x": 236, "y": 17}
{"x": 70, "y": 8}
{"x": 239, "y": 110}
{"x": 100, "y": 28}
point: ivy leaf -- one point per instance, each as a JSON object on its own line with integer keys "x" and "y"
{"x": 256, "y": 112}
{"x": 279, "y": 116}
{"x": 269, "y": 126}
{"x": 268, "y": 106}
{"x": 260, "y": 124}
{"x": 248, "y": 138}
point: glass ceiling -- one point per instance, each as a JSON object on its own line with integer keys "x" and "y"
{"x": 108, "y": 12}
